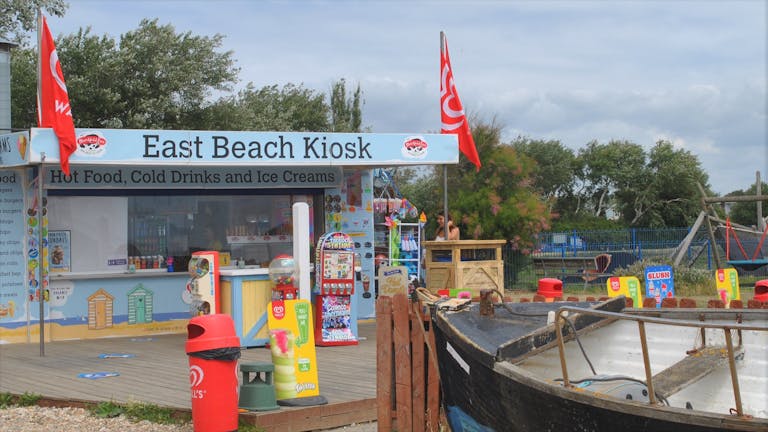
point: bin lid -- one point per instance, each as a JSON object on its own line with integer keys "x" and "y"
{"x": 207, "y": 332}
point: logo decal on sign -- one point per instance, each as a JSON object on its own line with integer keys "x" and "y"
{"x": 196, "y": 376}
{"x": 91, "y": 143}
{"x": 414, "y": 147}
{"x": 278, "y": 309}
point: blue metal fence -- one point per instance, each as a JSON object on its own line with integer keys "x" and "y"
{"x": 522, "y": 271}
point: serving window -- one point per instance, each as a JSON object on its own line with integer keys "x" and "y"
{"x": 145, "y": 228}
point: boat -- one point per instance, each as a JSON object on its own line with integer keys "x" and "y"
{"x": 600, "y": 366}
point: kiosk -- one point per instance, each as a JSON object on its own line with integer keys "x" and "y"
{"x": 159, "y": 196}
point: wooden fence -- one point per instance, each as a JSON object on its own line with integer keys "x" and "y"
{"x": 407, "y": 381}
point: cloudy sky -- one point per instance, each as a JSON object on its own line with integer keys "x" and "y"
{"x": 691, "y": 72}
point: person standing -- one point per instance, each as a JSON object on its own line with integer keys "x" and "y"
{"x": 453, "y": 232}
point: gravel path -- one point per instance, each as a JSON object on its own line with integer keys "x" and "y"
{"x": 46, "y": 419}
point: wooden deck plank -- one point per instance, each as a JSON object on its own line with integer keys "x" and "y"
{"x": 159, "y": 374}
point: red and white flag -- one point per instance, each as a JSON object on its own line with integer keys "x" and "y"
{"x": 53, "y": 108}
{"x": 452, "y": 112}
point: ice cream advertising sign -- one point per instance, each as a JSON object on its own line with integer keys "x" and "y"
{"x": 628, "y": 286}
{"x": 659, "y": 283}
{"x": 292, "y": 343}
{"x": 727, "y": 283}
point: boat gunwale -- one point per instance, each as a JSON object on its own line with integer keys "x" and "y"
{"x": 509, "y": 368}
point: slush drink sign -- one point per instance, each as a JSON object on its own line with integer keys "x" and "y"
{"x": 659, "y": 283}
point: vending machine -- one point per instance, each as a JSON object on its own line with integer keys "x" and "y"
{"x": 203, "y": 285}
{"x": 334, "y": 284}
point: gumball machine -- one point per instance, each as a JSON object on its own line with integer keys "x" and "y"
{"x": 282, "y": 272}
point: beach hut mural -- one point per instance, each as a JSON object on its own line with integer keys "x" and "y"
{"x": 100, "y": 309}
{"x": 139, "y": 305}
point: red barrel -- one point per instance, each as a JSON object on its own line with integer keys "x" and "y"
{"x": 550, "y": 288}
{"x": 213, "y": 348}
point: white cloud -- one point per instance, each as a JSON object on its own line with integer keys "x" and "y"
{"x": 575, "y": 71}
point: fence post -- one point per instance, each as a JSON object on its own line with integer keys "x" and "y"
{"x": 408, "y": 382}
{"x": 384, "y": 363}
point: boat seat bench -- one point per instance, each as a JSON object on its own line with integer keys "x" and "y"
{"x": 690, "y": 369}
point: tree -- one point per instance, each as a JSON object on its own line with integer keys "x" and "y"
{"x": 154, "y": 79}
{"x": 19, "y": 17}
{"x": 608, "y": 168}
{"x": 292, "y": 108}
{"x": 167, "y": 77}
{"x": 157, "y": 79}
{"x": 555, "y": 174}
{"x": 668, "y": 195}
{"x": 745, "y": 213}
{"x": 498, "y": 202}
{"x": 345, "y": 112}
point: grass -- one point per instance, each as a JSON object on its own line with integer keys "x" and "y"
{"x": 26, "y": 399}
{"x": 133, "y": 411}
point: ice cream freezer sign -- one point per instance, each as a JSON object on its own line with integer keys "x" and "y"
{"x": 292, "y": 343}
{"x": 659, "y": 283}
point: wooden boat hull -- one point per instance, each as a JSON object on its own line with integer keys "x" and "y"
{"x": 483, "y": 394}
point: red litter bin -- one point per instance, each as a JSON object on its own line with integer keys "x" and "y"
{"x": 761, "y": 290}
{"x": 213, "y": 348}
{"x": 550, "y": 288}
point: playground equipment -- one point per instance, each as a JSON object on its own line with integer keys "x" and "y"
{"x": 729, "y": 233}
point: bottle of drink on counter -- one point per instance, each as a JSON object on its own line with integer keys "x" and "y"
{"x": 169, "y": 261}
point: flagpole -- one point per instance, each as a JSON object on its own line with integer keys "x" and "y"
{"x": 40, "y": 287}
{"x": 40, "y": 246}
{"x": 39, "y": 64}
{"x": 445, "y": 167}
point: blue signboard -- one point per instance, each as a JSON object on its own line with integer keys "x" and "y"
{"x": 659, "y": 283}
{"x": 13, "y": 149}
{"x": 232, "y": 148}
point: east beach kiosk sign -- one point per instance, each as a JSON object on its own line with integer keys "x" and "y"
{"x": 116, "y": 159}
{"x": 243, "y": 159}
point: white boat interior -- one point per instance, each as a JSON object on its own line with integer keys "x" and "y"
{"x": 615, "y": 350}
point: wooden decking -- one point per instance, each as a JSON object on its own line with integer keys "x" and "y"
{"x": 159, "y": 374}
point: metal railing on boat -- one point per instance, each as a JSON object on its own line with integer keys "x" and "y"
{"x": 641, "y": 321}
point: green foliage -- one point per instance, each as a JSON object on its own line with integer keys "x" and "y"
{"x": 155, "y": 78}
{"x": 345, "y": 112}
{"x": 495, "y": 203}
{"x": 745, "y": 213}
{"x": 247, "y": 427}
{"x": 137, "y": 411}
{"x": 28, "y": 399}
{"x": 6, "y": 400}
{"x": 23, "y": 87}
{"x": 553, "y": 175}
{"x": 584, "y": 222}
{"x": 107, "y": 410}
{"x": 19, "y": 17}
{"x": 291, "y": 108}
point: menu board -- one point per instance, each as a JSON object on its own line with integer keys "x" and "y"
{"x": 12, "y": 228}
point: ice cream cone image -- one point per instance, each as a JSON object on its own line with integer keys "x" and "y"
{"x": 21, "y": 143}
{"x": 281, "y": 343}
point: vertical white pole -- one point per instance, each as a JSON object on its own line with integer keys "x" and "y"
{"x": 301, "y": 248}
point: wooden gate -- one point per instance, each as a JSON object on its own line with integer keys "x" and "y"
{"x": 407, "y": 381}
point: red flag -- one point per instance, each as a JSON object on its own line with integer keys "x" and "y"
{"x": 452, "y": 113}
{"x": 53, "y": 108}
